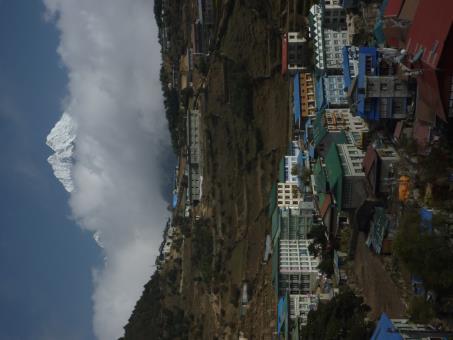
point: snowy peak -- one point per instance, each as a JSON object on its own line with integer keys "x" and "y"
{"x": 61, "y": 140}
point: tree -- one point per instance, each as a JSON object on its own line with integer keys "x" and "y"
{"x": 343, "y": 317}
{"x": 425, "y": 254}
{"x": 326, "y": 266}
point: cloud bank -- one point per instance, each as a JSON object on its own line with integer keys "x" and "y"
{"x": 111, "y": 53}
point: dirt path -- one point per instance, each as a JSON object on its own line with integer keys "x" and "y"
{"x": 375, "y": 283}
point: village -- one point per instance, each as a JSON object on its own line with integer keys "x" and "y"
{"x": 363, "y": 197}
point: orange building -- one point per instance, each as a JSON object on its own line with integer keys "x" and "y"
{"x": 307, "y": 95}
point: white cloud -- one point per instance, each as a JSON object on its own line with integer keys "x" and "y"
{"x": 110, "y": 50}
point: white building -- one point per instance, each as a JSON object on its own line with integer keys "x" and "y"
{"x": 329, "y": 34}
{"x": 298, "y": 270}
{"x": 300, "y": 305}
{"x": 291, "y": 163}
{"x": 195, "y": 160}
{"x": 317, "y": 35}
{"x": 333, "y": 44}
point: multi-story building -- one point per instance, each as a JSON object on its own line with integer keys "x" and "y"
{"x": 307, "y": 95}
{"x": 342, "y": 120}
{"x": 334, "y": 91}
{"x": 297, "y": 52}
{"x": 350, "y": 65}
{"x": 290, "y": 163}
{"x": 288, "y": 195}
{"x": 404, "y": 329}
{"x": 377, "y": 93}
{"x": 296, "y": 223}
{"x": 345, "y": 175}
{"x": 298, "y": 270}
{"x": 195, "y": 160}
{"x": 380, "y": 166}
{"x": 333, "y": 44}
{"x": 300, "y": 305}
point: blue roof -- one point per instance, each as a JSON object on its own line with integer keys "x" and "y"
{"x": 282, "y": 315}
{"x": 346, "y": 71}
{"x": 296, "y": 99}
{"x": 385, "y": 330}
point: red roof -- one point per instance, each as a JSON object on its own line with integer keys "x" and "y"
{"x": 429, "y": 101}
{"x": 325, "y": 205}
{"x": 393, "y": 8}
{"x": 284, "y": 54}
{"x": 369, "y": 160}
{"x": 430, "y": 29}
{"x": 422, "y": 134}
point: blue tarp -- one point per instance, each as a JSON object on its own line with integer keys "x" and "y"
{"x": 296, "y": 99}
{"x": 282, "y": 316}
{"x": 426, "y": 220}
{"x": 385, "y": 330}
{"x": 175, "y": 200}
{"x": 346, "y": 71}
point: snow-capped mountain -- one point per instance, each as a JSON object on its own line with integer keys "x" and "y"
{"x": 61, "y": 140}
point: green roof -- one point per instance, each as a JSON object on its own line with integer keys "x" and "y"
{"x": 320, "y": 177}
{"x": 275, "y": 265}
{"x": 281, "y": 170}
{"x": 276, "y": 225}
{"x": 339, "y": 138}
{"x": 319, "y": 131}
{"x": 295, "y": 330}
{"x": 273, "y": 199}
{"x": 335, "y": 174}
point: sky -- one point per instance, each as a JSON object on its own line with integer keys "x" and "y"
{"x": 97, "y": 61}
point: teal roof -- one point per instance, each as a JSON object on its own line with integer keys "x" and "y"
{"x": 275, "y": 265}
{"x": 335, "y": 174}
{"x": 273, "y": 199}
{"x": 281, "y": 170}
{"x": 319, "y": 131}
{"x": 276, "y": 225}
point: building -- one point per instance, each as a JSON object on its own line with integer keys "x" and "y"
{"x": 300, "y": 305}
{"x": 334, "y": 91}
{"x": 377, "y": 92}
{"x": 345, "y": 175}
{"x": 380, "y": 236}
{"x": 342, "y": 120}
{"x": 333, "y": 45}
{"x": 288, "y": 195}
{"x": 380, "y": 168}
{"x": 350, "y": 65}
{"x": 195, "y": 161}
{"x": 403, "y": 329}
{"x": 290, "y": 163}
{"x": 307, "y": 95}
{"x": 329, "y": 34}
{"x": 297, "y": 52}
{"x": 317, "y": 35}
{"x": 298, "y": 270}
{"x": 296, "y": 223}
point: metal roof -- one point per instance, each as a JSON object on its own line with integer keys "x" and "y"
{"x": 385, "y": 330}
{"x": 335, "y": 174}
{"x": 296, "y": 99}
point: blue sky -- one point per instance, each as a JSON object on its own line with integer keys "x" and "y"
{"x": 45, "y": 259}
